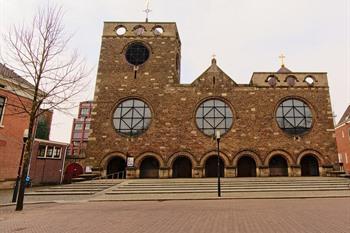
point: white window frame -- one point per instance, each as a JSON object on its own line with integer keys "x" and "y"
{"x": 2, "y": 113}
{"x": 53, "y": 152}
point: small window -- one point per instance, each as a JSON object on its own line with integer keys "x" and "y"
{"x": 158, "y": 30}
{"x": 77, "y": 135}
{"x": 120, "y": 30}
{"x": 272, "y": 80}
{"x": 84, "y": 112}
{"x": 78, "y": 126}
{"x": 291, "y": 80}
{"x": 75, "y": 143}
{"x": 41, "y": 151}
{"x": 87, "y": 126}
{"x": 49, "y": 152}
{"x": 57, "y": 152}
{"x": 309, "y": 80}
{"x": 2, "y": 108}
{"x": 139, "y": 30}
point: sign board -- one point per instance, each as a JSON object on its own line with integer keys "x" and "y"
{"x": 130, "y": 161}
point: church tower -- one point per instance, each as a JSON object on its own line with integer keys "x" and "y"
{"x": 137, "y": 61}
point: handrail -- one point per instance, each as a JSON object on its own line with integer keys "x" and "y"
{"x": 115, "y": 175}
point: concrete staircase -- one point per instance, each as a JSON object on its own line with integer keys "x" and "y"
{"x": 267, "y": 187}
{"x": 82, "y": 188}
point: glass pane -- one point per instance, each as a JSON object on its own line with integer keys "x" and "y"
{"x": 213, "y": 114}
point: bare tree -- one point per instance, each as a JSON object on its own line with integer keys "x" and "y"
{"x": 38, "y": 53}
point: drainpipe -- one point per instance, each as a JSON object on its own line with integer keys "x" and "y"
{"x": 63, "y": 161}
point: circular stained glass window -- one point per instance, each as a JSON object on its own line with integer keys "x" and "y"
{"x": 132, "y": 117}
{"x": 214, "y": 115}
{"x": 294, "y": 116}
{"x": 137, "y": 54}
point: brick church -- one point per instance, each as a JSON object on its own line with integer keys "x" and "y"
{"x": 146, "y": 122}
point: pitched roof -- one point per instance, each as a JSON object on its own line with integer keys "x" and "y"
{"x": 7, "y": 72}
{"x": 206, "y": 78}
{"x": 345, "y": 117}
{"x": 284, "y": 69}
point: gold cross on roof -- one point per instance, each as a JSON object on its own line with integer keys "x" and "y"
{"x": 282, "y": 57}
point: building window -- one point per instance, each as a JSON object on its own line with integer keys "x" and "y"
{"x": 2, "y": 107}
{"x": 132, "y": 117}
{"x": 84, "y": 112}
{"x": 49, "y": 152}
{"x": 294, "y": 116}
{"x": 137, "y": 54}
{"x": 87, "y": 126}
{"x": 75, "y": 152}
{"x": 214, "y": 115}
{"x": 78, "y": 126}
{"x": 77, "y": 135}
{"x": 41, "y": 151}
{"x": 57, "y": 152}
{"x": 75, "y": 143}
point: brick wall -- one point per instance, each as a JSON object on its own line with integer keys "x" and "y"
{"x": 173, "y": 130}
{"x": 11, "y": 137}
{"x": 343, "y": 143}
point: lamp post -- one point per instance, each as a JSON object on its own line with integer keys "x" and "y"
{"x": 15, "y": 191}
{"x": 218, "y": 168}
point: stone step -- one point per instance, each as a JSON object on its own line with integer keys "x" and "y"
{"x": 116, "y": 192}
{"x": 232, "y": 183}
{"x": 346, "y": 187}
{"x": 69, "y": 190}
{"x": 58, "y": 193}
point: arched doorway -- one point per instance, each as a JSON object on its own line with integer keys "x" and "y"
{"x": 278, "y": 166}
{"x": 73, "y": 170}
{"x": 309, "y": 166}
{"x": 182, "y": 167}
{"x": 116, "y": 168}
{"x": 149, "y": 168}
{"x": 246, "y": 167}
{"x": 211, "y": 166}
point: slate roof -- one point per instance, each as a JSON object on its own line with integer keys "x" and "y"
{"x": 7, "y": 72}
{"x": 345, "y": 117}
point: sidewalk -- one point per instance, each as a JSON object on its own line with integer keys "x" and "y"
{"x": 288, "y": 215}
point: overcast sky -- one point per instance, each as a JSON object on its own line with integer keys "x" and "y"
{"x": 245, "y": 35}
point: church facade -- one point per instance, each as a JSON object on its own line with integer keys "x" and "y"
{"x": 146, "y": 122}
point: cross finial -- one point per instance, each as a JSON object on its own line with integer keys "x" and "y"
{"x": 147, "y": 10}
{"x": 213, "y": 59}
{"x": 282, "y": 57}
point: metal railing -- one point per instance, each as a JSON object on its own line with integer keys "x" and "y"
{"x": 116, "y": 175}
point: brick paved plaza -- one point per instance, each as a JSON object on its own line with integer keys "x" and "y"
{"x": 269, "y": 215}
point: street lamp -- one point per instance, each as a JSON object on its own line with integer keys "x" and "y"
{"x": 15, "y": 191}
{"x": 218, "y": 168}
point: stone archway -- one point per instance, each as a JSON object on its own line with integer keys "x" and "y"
{"x": 309, "y": 166}
{"x": 116, "y": 168}
{"x": 182, "y": 167}
{"x": 246, "y": 167}
{"x": 211, "y": 166}
{"x": 278, "y": 166}
{"x": 149, "y": 167}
